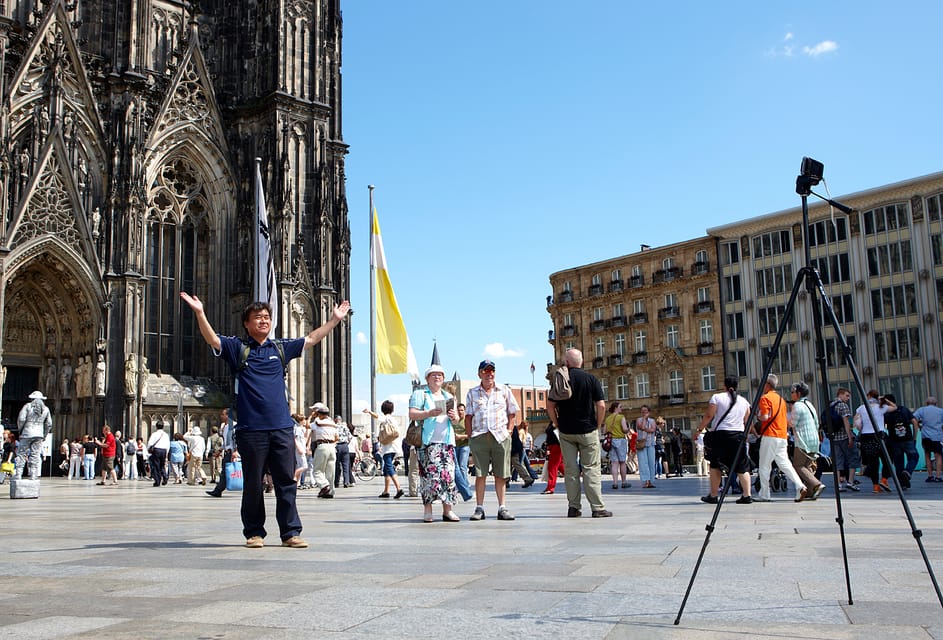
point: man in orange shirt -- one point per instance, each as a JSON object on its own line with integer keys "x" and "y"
{"x": 772, "y": 420}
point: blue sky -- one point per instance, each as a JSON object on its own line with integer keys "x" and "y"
{"x": 509, "y": 140}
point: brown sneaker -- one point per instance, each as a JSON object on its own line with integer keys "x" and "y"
{"x": 295, "y": 542}
{"x": 255, "y": 542}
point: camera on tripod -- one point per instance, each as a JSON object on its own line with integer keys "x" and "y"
{"x": 810, "y": 174}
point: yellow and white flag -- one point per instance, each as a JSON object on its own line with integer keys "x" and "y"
{"x": 393, "y": 351}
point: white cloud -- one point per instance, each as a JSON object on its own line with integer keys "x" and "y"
{"x": 497, "y": 350}
{"x": 788, "y": 37}
{"x": 361, "y": 337}
{"x": 826, "y": 46}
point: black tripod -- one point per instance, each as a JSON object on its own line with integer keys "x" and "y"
{"x": 811, "y": 175}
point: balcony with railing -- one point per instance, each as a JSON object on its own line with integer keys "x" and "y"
{"x": 704, "y": 306}
{"x": 615, "y": 285}
{"x": 569, "y": 330}
{"x": 551, "y": 336}
{"x": 669, "y": 312}
{"x": 639, "y": 318}
{"x": 667, "y": 275}
{"x": 674, "y": 398}
{"x": 705, "y": 348}
{"x": 598, "y": 362}
{"x": 636, "y": 281}
{"x": 565, "y": 296}
{"x": 615, "y": 361}
{"x": 640, "y": 357}
{"x": 595, "y": 290}
{"x": 700, "y": 267}
{"x": 617, "y": 322}
{"x": 597, "y": 325}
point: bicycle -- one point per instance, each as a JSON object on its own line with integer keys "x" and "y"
{"x": 366, "y": 468}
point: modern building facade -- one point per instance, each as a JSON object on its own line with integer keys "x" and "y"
{"x": 130, "y": 131}
{"x": 882, "y": 267}
{"x": 648, "y": 325}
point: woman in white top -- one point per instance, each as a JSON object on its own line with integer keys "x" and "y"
{"x": 435, "y": 407}
{"x": 727, "y": 414}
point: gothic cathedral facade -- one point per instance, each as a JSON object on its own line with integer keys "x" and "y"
{"x": 129, "y": 133}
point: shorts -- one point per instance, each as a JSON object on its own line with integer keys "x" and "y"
{"x": 620, "y": 447}
{"x": 389, "y": 469}
{"x": 108, "y": 463}
{"x": 931, "y": 446}
{"x": 489, "y": 452}
{"x": 723, "y": 450}
{"x": 301, "y": 461}
{"x": 844, "y": 455}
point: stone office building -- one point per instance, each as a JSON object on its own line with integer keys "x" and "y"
{"x": 127, "y": 156}
{"x": 648, "y": 325}
{"x": 882, "y": 267}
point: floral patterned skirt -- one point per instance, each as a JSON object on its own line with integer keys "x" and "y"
{"x": 437, "y": 473}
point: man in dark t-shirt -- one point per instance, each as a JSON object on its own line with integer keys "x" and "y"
{"x": 579, "y": 420}
{"x": 901, "y": 443}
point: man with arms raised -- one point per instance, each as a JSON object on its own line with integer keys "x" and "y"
{"x": 579, "y": 419}
{"x": 265, "y": 437}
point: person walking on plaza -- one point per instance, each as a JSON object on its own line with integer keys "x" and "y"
{"x": 490, "y": 410}
{"x": 229, "y": 453}
{"x": 772, "y": 413}
{"x": 196, "y": 444}
{"x": 579, "y": 420}
{"x": 324, "y": 445}
{"x": 214, "y": 444}
{"x": 342, "y": 469}
{"x": 727, "y": 415}
{"x": 645, "y": 428}
{"x": 616, "y": 428}
{"x": 265, "y": 436}
{"x": 388, "y": 450}
{"x": 89, "y": 455}
{"x": 554, "y": 459}
{"x": 869, "y": 433}
{"x": 804, "y": 422}
{"x": 901, "y": 427}
{"x": 75, "y": 459}
{"x": 34, "y": 422}
{"x": 109, "y": 449}
{"x": 158, "y": 445}
{"x": 930, "y": 419}
{"x": 177, "y": 457}
{"x": 842, "y": 439}
{"x": 434, "y": 406}
{"x": 462, "y": 482}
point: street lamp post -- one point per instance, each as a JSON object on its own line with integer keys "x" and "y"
{"x": 533, "y": 385}
{"x": 181, "y": 393}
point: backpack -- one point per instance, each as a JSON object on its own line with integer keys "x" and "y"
{"x": 131, "y": 448}
{"x": 387, "y": 433}
{"x": 560, "y": 384}
{"x": 831, "y": 419}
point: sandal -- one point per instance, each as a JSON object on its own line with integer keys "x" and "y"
{"x": 450, "y": 517}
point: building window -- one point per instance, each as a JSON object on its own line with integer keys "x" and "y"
{"x": 730, "y": 252}
{"x": 732, "y": 288}
{"x": 882, "y": 219}
{"x": 622, "y": 388}
{"x": 671, "y": 300}
{"x": 597, "y": 314}
{"x": 617, "y": 310}
{"x": 734, "y": 325}
{"x": 773, "y": 280}
{"x": 899, "y": 300}
{"x": 620, "y": 344}
{"x": 616, "y": 275}
{"x": 834, "y": 357}
{"x": 737, "y": 363}
{"x": 708, "y": 378}
{"x": 897, "y": 344}
{"x": 642, "y": 385}
{"x": 703, "y": 294}
{"x": 637, "y": 271}
{"x": 936, "y": 246}
{"x": 824, "y": 232}
{"x": 788, "y": 359}
{"x": 700, "y": 257}
{"x": 596, "y": 280}
{"x": 934, "y": 207}
{"x": 833, "y": 268}
{"x": 773, "y": 243}
{"x": 707, "y": 331}
{"x": 910, "y": 391}
{"x": 604, "y": 383}
{"x": 675, "y": 382}
{"x": 770, "y": 318}
{"x": 672, "y": 336}
{"x": 890, "y": 258}
{"x": 668, "y": 263}
{"x": 566, "y": 286}
{"x": 843, "y": 306}
{"x": 567, "y": 319}
{"x": 641, "y": 342}
{"x": 600, "y": 347}
{"x": 638, "y": 306}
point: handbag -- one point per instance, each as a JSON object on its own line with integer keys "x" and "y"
{"x": 233, "y": 472}
{"x": 414, "y": 434}
{"x": 607, "y": 442}
{"x": 7, "y": 467}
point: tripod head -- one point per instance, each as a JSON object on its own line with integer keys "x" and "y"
{"x": 810, "y": 174}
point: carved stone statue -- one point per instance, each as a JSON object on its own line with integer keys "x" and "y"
{"x": 79, "y": 377}
{"x": 100, "y": 376}
{"x": 131, "y": 375}
{"x": 65, "y": 380}
{"x": 144, "y": 373}
{"x": 51, "y": 377}
{"x": 95, "y": 219}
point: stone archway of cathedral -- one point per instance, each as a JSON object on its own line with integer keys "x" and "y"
{"x": 50, "y": 341}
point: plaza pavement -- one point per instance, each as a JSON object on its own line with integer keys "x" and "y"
{"x": 134, "y": 561}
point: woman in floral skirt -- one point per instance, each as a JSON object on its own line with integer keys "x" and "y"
{"x": 435, "y": 408}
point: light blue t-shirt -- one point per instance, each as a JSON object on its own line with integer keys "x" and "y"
{"x": 931, "y": 422}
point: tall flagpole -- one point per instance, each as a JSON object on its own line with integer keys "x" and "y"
{"x": 373, "y": 323}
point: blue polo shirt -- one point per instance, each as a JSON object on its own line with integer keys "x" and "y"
{"x": 261, "y": 404}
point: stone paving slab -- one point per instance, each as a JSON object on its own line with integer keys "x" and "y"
{"x": 134, "y": 561}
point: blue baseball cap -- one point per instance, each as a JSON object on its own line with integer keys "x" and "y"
{"x": 484, "y": 364}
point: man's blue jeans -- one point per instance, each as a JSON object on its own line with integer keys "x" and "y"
{"x": 461, "y": 473}
{"x": 900, "y": 450}
{"x": 274, "y": 450}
